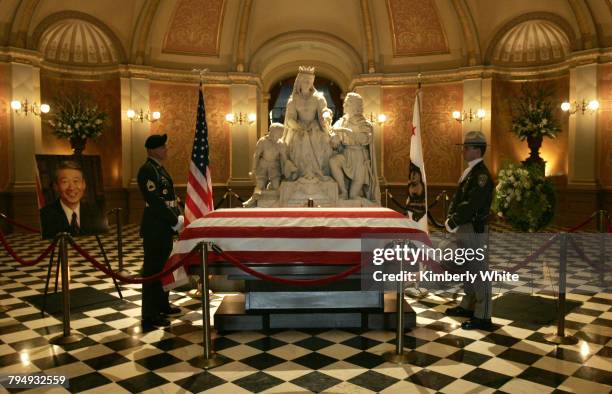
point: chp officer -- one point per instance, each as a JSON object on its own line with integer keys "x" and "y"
{"x": 467, "y": 217}
{"x": 160, "y": 221}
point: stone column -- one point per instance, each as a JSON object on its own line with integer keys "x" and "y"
{"x": 26, "y": 135}
{"x": 583, "y": 128}
{"x": 134, "y": 95}
{"x": 26, "y": 141}
{"x": 243, "y": 136}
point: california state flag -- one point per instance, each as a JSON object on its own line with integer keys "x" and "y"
{"x": 416, "y": 203}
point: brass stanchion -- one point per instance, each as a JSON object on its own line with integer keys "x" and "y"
{"x": 310, "y": 203}
{"x": 209, "y": 359}
{"x": 399, "y": 357}
{"x": 560, "y": 338}
{"x": 66, "y": 337}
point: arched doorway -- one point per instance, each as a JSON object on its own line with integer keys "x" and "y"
{"x": 280, "y": 92}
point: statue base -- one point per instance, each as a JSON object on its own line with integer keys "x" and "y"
{"x": 323, "y": 192}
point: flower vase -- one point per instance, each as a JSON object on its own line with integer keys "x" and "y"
{"x": 534, "y": 143}
{"x": 78, "y": 145}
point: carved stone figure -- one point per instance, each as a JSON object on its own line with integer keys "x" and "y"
{"x": 269, "y": 154}
{"x": 307, "y": 122}
{"x": 354, "y": 166}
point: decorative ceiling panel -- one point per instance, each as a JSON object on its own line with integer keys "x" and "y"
{"x": 416, "y": 29}
{"x": 532, "y": 42}
{"x": 75, "y": 41}
{"x": 195, "y": 28}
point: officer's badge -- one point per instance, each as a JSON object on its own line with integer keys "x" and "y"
{"x": 165, "y": 191}
{"x": 482, "y": 180}
{"x": 150, "y": 185}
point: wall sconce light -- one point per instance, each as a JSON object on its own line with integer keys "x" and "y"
{"x": 380, "y": 119}
{"x": 24, "y": 107}
{"x": 240, "y": 118}
{"x": 583, "y": 106}
{"x": 469, "y": 116}
{"x": 142, "y": 116}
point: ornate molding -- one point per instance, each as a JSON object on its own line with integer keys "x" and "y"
{"x": 586, "y": 24}
{"x": 532, "y": 42}
{"x": 547, "y": 16}
{"x": 470, "y": 33}
{"x": 367, "y": 25}
{"x": 410, "y": 20}
{"x": 21, "y": 23}
{"x": 195, "y": 28}
{"x": 242, "y": 35}
{"x": 600, "y": 56}
{"x": 50, "y": 20}
{"x": 142, "y": 31}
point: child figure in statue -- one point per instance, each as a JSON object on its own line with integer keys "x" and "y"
{"x": 269, "y": 154}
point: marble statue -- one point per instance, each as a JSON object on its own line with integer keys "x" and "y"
{"x": 331, "y": 166}
{"x": 307, "y": 124}
{"x": 269, "y": 155}
{"x": 354, "y": 166}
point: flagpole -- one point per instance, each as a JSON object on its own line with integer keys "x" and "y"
{"x": 418, "y": 292}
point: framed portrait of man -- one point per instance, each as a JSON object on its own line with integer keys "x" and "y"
{"x": 70, "y": 195}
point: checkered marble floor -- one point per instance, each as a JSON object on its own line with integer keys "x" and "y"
{"x": 116, "y": 357}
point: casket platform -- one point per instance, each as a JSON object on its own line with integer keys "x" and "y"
{"x": 295, "y": 244}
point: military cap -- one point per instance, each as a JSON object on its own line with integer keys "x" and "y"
{"x": 156, "y": 140}
{"x": 474, "y": 138}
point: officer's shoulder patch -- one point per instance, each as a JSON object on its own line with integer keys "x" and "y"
{"x": 150, "y": 185}
{"x": 482, "y": 180}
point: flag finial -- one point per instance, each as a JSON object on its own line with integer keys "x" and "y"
{"x": 200, "y": 71}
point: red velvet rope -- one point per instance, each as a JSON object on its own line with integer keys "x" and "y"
{"x": 131, "y": 279}
{"x": 581, "y": 225}
{"x": 297, "y": 282}
{"x": 21, "y": 261}
{"x": 16, "y": 224}
{"x": 583, "y": 256}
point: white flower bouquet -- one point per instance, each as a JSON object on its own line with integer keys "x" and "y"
{"x": 533, "y": 114}
{"x": 524, "y": 197}
{"x": 74, "y": 119}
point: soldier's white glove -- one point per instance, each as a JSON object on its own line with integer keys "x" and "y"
{"x": 178, "y": 227}
{"x": 450, "y": 230}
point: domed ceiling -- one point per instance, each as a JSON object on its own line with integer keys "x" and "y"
{"x": 74, "y": 41}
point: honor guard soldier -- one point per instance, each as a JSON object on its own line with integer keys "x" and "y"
{"x": 161, "y": 220}
{"x": 467, "y": 217}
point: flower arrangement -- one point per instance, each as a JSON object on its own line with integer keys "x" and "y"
{"x": 77, "y": 120}
{"x": 524, "y": 197}
{"x": 533, "y": 114}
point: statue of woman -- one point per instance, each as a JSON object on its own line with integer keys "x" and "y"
{"x": 307, "y": 122}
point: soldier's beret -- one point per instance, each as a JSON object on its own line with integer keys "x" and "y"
{"x": 156, "y": 140}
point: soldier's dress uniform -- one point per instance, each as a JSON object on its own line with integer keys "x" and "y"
{"x": 160, "y": 215}
{"x": 468, "y": 216}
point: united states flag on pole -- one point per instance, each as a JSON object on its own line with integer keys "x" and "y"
{"x": 417, "y": 182}
{"x": 199, "y": 199}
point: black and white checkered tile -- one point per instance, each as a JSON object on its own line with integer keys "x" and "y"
{"x": 115, "y": 357}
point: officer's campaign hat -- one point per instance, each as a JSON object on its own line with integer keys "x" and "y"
{"x": 156, "y": 140}
{"x": 474, "y": 138}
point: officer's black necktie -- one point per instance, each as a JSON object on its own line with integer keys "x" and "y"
{"x": 74, "y": 224}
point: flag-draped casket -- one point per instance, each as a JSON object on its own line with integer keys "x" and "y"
{"x": 288, "y": 235}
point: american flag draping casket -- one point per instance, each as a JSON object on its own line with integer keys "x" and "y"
{"x": 287, "y": 235}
